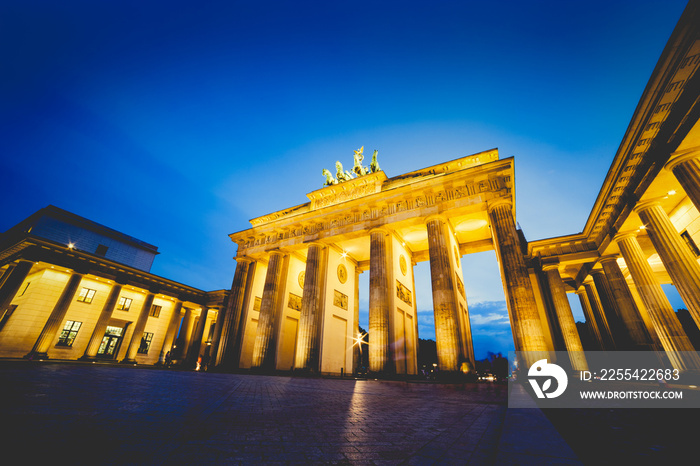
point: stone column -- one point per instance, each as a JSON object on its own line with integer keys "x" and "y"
{"x": 183, "y": 338}
{"x": 170, "y": 332}
{"x": 680, "y": 263}
{"x": 686, "y": 168}
{"x": 448, "y": 335}
{"x": 308, "y": 344}
{"x": 599, "y": 315}
{"x": 668, "y": 328}
{"x": 356, "y": 347}
{"x": 12, "y": 283}
{"x": 629, "y": 314}
{"x": 137, "y": 335}
{"x": 590, "y": 320}
{"x": 98, "y": 332}
{"x": 265, "y": 349}
{"x": 612, "y": 314}
{"x": 565, "y": 317}
{"x": 53, "y": 324}
{"x": 380, "y": 354}
{"x": 520, "y": 298}
{"x": 196, "y": 345}
{"x": 227, "y": 354}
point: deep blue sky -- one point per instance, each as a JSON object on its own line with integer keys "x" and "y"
{"x": 177, "y": 123}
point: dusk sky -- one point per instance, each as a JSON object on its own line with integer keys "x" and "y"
{"x": 177, "y": 123}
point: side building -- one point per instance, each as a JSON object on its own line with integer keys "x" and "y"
{"x": 73, "y": 289}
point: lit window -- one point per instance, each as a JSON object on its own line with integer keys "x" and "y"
{"x": 124, "y": 304}
{"x": 86, "y": 295}
{"x": 145, "y": 342}
{"x": 691, "y": 244}
{"x": 69, "y": 332}
{"x": 155, "y": 310}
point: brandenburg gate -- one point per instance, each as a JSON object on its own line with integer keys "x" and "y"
{"x": 294, "y": 300}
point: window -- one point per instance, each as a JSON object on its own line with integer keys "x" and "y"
{"x": 101, "y": 250}
{"x": 25, "y": 288}
{"x": 69, "y": 332}
{"x": 86, "y": 295}
{"x": 6, "y": 315}
{"x": 145, "y": 342}
{"x": 124, "y": 304}
{"x": 155, "y": 310}
{"x": 691, "y": 244}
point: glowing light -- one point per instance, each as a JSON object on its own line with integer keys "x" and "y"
{"x": 643, "y": 227}
{"x": 71, "y": 245}
{"x": 671, "y": 192}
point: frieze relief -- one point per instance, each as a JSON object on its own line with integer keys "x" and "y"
{"x": 501, "y": 185}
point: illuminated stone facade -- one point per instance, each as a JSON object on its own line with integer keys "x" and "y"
{"x": 293, "y": 304}
{"x": 383, "y": 226}
{"x": 73, "y": 289}
{"x": 644, "y": 227}
{"x": 642, "y": 232}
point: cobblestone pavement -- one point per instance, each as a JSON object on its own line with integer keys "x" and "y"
{"x": 97, "y": 414}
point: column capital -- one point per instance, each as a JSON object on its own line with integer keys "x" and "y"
{"x": 588, "y": 281}
{"x": 245, "y": 259}
{"x": 492, "y": 204}
{"x": 381, "y": 229}
{"x": 609, "y": 258}
{"x": 440, "y": 217}
{"x": 316, "y": 242}
{"x": 597, "y": 271}
{"x": 644, "y": 205}
{"x": 626, "y": 235}
{"x": 682, "y": 156}
{"x": 548, "y": 267}
{"x": 276, "y": 252}
{"x": 580, "y": 291}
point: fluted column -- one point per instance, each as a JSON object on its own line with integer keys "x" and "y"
{"x": 686, "y": 168}
{"x": 53, "y": 324}
{"x": 308, "y": 343}
{"x": 572, "y": 341}
{"x": 668, "y": 328}
{"x": 228, "y": 350}
{"x": 13, "y": 281}
{"x": 590, "y": 320}
{"x": 629, "y": 314}
{"x": 264, "y": 351}
{"x": 98, "y": 332}
{"x": 356, "y": 348}
{"x": 183, "y": 338}
{"x": 137, "y": 334}
{"x": 679, "y": 262}
{"x": 170, "y": 332}
{"x": 196, "y": 345}
{"x": 609, "y": 306}
{"x": 599, "y": 315}
{"x": 380, "y": 355}
{"x": 448, "y": 336}
{"x": 522, "y": 307}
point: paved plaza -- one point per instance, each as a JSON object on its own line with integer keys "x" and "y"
{"x": 97, "y": 414}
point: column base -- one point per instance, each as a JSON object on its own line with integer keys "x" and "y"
{"x": 128, "y": 361}
{"x": 32, "y": 356}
